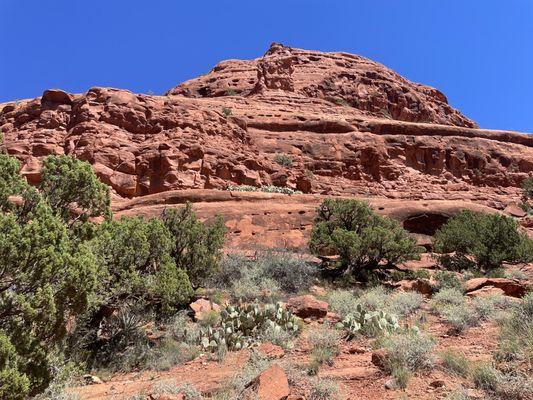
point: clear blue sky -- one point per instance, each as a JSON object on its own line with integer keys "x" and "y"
{"x": 478, "y": 52}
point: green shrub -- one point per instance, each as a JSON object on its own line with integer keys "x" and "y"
{"x": 403, "y": 304}
{"x": 410, "y": 349}
{"x": 516, "y": 274}
{"x": 46, "y": 279}
{"x": 458, "y": 317}
{"x": 448, "y": 279}
{"x": 136, "y": 255}
{"x": 226, "y": 111}
{"x": 247, "y": 278}
{"x": 373, "y": 299}
{"x": 361, "y": 238}
{"x": 401, "y": 375}
{"x": 458, "y": 394}
{"x": 486, "y": 377}
{"x": 516, "y": 337}
{"x": 325, "y": 346}
{"x": 11, "y": 182}
{"x": 169, "y": 353}
{"x": 447, "y": 297}
{"x": 73, "y": 190}
{"x": 343, "y": 302}
{"x": 283, "y": 159}
{"x": 527, "y": 194}
{"x": 188, "y": 391}
{"x": 456, "y": 363}
{"x": 197, "y": 246}
{"x": 324, "y": 389}
{"x": 486, "y": 239}
{"x": 266, "y": 189}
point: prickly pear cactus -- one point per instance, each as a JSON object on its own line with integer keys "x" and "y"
{"x": 241, "y": 325}
{"x": 369, "y": 323}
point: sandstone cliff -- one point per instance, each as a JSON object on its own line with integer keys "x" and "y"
{"x": 350, "y": 126}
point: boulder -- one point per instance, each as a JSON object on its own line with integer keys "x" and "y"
{"x": 422, "y": 286}
{"x": 57, "y": 96}
{"x": 202, "y": 306}
{"x": 308, "y": 307}
{"x": 515, "y": 210}
{"x": 510, "y": 287}
{"x": 271, "y": 384}
{"x": 379, "y": 358}
{"x": 92, "y": 379}
{"x": 486, "y": 291}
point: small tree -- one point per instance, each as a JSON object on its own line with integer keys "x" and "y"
{"x": 527, "y": 195}
{"x": 44, "y": 280}
{"x": 73, "y": 190}
{"x": 485, "y": 240}
{"x": 136, "y": 255}
{"x": 361, "y": 238}
{"x": 11, "y": 182}
{"x": 197, "y": 246}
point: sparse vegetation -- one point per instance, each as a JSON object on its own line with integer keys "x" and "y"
{"x": 266, "y": 189}
{"x": 527, "y": 195}
{"x": 324, "y": 389}
{"x": 407, "y": 353}
{"x": 283, "y": 159}
{"x": 261, "y": 277}
{"x": 325, "y": 346}
{"x": 516, "y": 338}
{"x": 226, "y": 111}
{"x": 456, "y": 362}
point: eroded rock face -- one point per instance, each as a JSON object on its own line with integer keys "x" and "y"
{"x": 350, "y": 126}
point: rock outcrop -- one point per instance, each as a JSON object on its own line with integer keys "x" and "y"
{"x": 349, "y": 126}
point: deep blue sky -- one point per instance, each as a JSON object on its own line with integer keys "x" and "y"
{"x": 478, "y": 52}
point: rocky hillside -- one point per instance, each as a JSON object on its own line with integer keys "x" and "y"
{"x": 340, "y": 123}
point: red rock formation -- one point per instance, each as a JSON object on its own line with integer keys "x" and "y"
{"x": 351, "y": 127}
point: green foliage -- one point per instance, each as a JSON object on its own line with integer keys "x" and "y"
{"x": 11, "y": 182}
{"x": 247, "y": 279}
{"x": 361, "y": 238}
{"x": 137, "y": 263}
{"x": 408, "y": 352}
{"x": 340, "y": 101}
{"x": 450, "y": 305}
{"x": 456, "y": 363}
{"x": 486, "y": 377}
{"x": 73, "y": 190}
{"x": 241, "y": 325}
{"x": 516, "y": 338}
{"x": 448, "y": 280}
{"x": 14, "y": 384}
{"x": 324, "y": 389}
{"x": 527, "y": 195}
{"x": 197, "y": 246}
{"x": 283, "y": 159}
{"x": 486, "y": 239}
{"x": 226, "y": 111}
{"x": 371, "y": 323}
{"x": 45, "y": 280}
{"x": 325, "y": 346}
{"x": 266, "y": 189}
{"x": 404, "y": 304}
